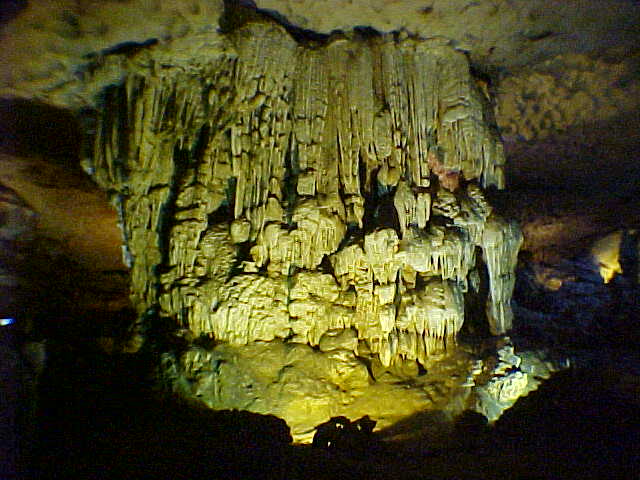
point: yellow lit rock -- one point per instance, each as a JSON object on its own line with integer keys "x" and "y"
{"x": 306, "y": 387}
{"x": 606, "y": 255}
{"x": 278, "y": 192}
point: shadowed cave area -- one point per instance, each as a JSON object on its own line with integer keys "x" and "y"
{"x": 266, "y": 241}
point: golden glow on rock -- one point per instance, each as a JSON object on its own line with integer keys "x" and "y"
{"x": 278, "y": 192}
{"x": 606, "y": 255}
{"x": 306, "y": 387}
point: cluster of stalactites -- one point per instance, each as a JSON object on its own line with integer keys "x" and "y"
{"x": 289, "y": 141}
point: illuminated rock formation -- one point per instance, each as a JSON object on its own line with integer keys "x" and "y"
{"x": 512, "y": 376}
{"x": 270, "y": 189}
{"x": 606, "y": 255}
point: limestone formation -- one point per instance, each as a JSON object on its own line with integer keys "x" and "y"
{"x": 307, "y": 387}
{"x": 512, "y": 376}
{"x": 326, "y": 193}
{"x": 606, "y": 255}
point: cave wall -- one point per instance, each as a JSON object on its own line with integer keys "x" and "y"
{"x": 210, "y": 240}
{"x": 564, "y": 77}
{"x": 272, "y": 189}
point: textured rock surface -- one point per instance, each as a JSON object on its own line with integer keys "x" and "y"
{"x": 500, "y": 31}
{"x": 561, "y": 72}
{"x": 565, "y": 120}
{"x": 306, "y": 387}
{"x": 258, "y": 190}
{"x": 329, "y": 195}
{"x": 568, "y": 118}
{"x": 560, "y": 78}
{"x": 48, "y": 45}
{"x": 512, "y": 376}
{"x": 48, "y": 41}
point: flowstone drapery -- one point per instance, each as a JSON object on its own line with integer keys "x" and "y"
{"x": 273, "y": 189}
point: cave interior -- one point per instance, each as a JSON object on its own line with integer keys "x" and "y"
{"x": 297, "y": 239}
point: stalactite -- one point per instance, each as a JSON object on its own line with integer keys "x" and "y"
{"x": 501, "y": 241}
{"x": 250, "y": 183}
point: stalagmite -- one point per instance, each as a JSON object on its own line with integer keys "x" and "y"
{"x": 326, "y": 193}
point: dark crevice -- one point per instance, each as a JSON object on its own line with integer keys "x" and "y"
{"x": 124, "y": 48}
{"x": 243, "y": 253}
{"x": 290, "y": 182}
{"x": 371, "y": 198}
{"x": 201, "y": 143}
{"x": 383, "y": 213}
{"x": 34, "y": 129}
{"x": 230, "y": 194}
{"x": 181, "y": 162}
{"x": 10, "y": 9}
{"x": 238, "y": 13}
{"x": 241, "y": 12}
{"x": 222, "y": 215}
{"x": 325, "y": 266}
{"x": 476, "y": 325}
{"x": 536, "y": 37}
{"x": 169, "y": 111}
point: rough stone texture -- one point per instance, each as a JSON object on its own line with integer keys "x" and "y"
{"x": 272, "y": 191}
{"x": 512, "y": 376}
{"x": 552, "y": 112}
{"x": 494, "y": 32}
{"x": 555, "y": 66}
{"x": 562, "y": 74}
{"x": 572, "y": 121}
{"x": 539, "y": 101}
{"x": 49, "y": 44}
{"x": 276, "y": 149}
{"x": 306, "y": 387}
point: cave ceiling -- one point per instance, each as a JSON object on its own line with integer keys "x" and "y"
{"x": 563, "y": 77}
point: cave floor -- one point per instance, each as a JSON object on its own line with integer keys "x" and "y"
{"x": 99, "y": 418}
